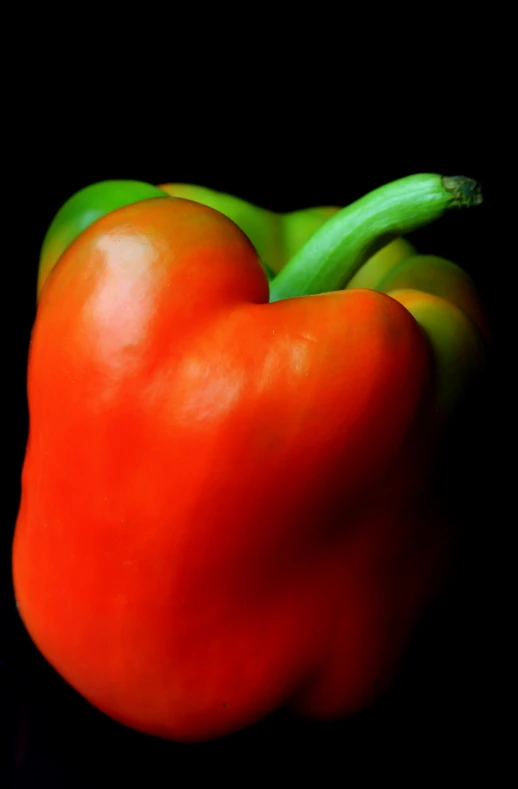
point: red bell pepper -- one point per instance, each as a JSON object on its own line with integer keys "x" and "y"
{"x": 228, "y": 500}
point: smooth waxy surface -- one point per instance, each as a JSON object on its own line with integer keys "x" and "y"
{"x": 84, "y": 208}
{"x": 220, "y": 495}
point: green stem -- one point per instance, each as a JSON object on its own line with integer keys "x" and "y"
{"x": 337, "y": 250}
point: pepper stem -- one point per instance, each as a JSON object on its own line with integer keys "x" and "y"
{"x": 342, "y": 244}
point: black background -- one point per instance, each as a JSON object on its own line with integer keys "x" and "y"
{"x": 445, "y": 714}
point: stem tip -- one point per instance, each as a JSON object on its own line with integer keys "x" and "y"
{"x": 465, "y": 191}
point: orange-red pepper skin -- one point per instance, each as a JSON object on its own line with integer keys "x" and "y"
{"x": 225, "y": 502}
